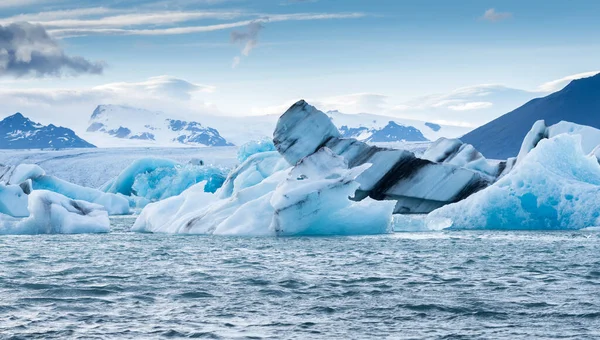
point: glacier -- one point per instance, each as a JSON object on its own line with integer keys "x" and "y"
{"x": 555, "y": 185}
{"x": 312, "y": 198}
{"x": 52, "y": 213}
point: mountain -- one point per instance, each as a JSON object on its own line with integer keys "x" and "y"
{"x": 392, "y": 132}
{"x": 134, "y": 126}
{"x": 19, "y": 132}
{"x": 578, "y": 102}
{"x": 377, "y": 128}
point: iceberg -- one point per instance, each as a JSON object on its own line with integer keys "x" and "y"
{"x": 417, "y": 185}
{"x": 22, "y": 179}
{"x": 312, "y": 198}
{"x": 154, "y": 179}
{"x": 52, "y": 213}
{"x": 555, "y": 185}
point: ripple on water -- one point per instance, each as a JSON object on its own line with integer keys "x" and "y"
{"x": 412, "y": 285}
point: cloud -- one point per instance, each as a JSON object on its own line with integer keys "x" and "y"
{"x": 558, "y": 84}
{"x": 470, "y": 106}
{"x": 162, "y": 86}
{"x": 493, "y": 16}
{"x": 20, "y": 3}
{"x": 28, "y": 49}
{"x": 248, "y": 39}
{"x": 95, "y": 29}
{"x": 72, "y": 106}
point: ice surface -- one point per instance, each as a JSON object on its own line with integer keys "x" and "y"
{"x": 13, "y": 201}
{"x": 251, "y": 172}
{"x": 555, "y": 186}
{"x": 52, "y": 213}
{"x": 94, "y": 167}
{"x": 309, "y": 199}
{"x": 254, "y": 147}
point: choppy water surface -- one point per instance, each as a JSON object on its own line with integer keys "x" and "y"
{"x": 429, "y": 285}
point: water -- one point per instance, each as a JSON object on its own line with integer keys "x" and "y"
{"x": 454, "y": 285}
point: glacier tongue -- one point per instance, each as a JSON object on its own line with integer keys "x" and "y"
{"x": 417, "y": 185}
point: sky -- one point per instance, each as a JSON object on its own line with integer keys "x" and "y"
{"x": 454, "y": 62}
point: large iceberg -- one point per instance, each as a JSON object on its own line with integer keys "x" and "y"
{"x": 417, "y": 185}
{"x": 52, "y": 213}
{"x": 312, "y": 198}
{"x": 555, "y": 185}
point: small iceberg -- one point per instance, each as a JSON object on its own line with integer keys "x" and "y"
{"x": 52, "y": 213}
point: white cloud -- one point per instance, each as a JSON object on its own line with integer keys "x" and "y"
{"x": 470, "y": 106}
{"x": 72, "y": 106}
{"x": 494, "y": 16}
{"x": 20, "y": 3}
{"x": 263, "y": 19}
{"x": 558, "y": 84}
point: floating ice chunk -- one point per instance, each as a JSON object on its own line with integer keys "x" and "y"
{"x": 155, "y": 179}
{"x": 555, "y": 186}
{"x": 123, "y": 184}
{"x": 52, "y": 213}
{"x": 13, "y": 201}
{"x": 254, "y": 147}
{"x": 167, "y": 182}
{"x": 114, "y": 204}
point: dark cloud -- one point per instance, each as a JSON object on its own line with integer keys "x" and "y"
{"x": 249, "y": 39}
{"x": 28, "y": 49}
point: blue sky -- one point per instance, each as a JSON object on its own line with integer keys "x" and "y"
{"x": 381, "y": 56}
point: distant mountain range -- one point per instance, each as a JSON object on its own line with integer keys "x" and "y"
{"x": 19, "y": 132}
{"x": 578, "y": 102}
{"x": 128, "y": 123}
{"x": 380, "y": 129}
{"x": 125, "y": 126}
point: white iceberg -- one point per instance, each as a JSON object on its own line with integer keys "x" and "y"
{"x": 554, "y": 186}
{"x": 309, "y": 199}
{"x": 22, "y": 179}
{"x": 52, "y": 213}
{"x": 113, "y": 204}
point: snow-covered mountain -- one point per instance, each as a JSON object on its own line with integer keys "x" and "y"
{"x": 129, "y": 126}
{"x": 378, "y": 128}
{"x": 113, "y": 125}
{"x": 578, "y": 102}
{"x": 19, "y": 132}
